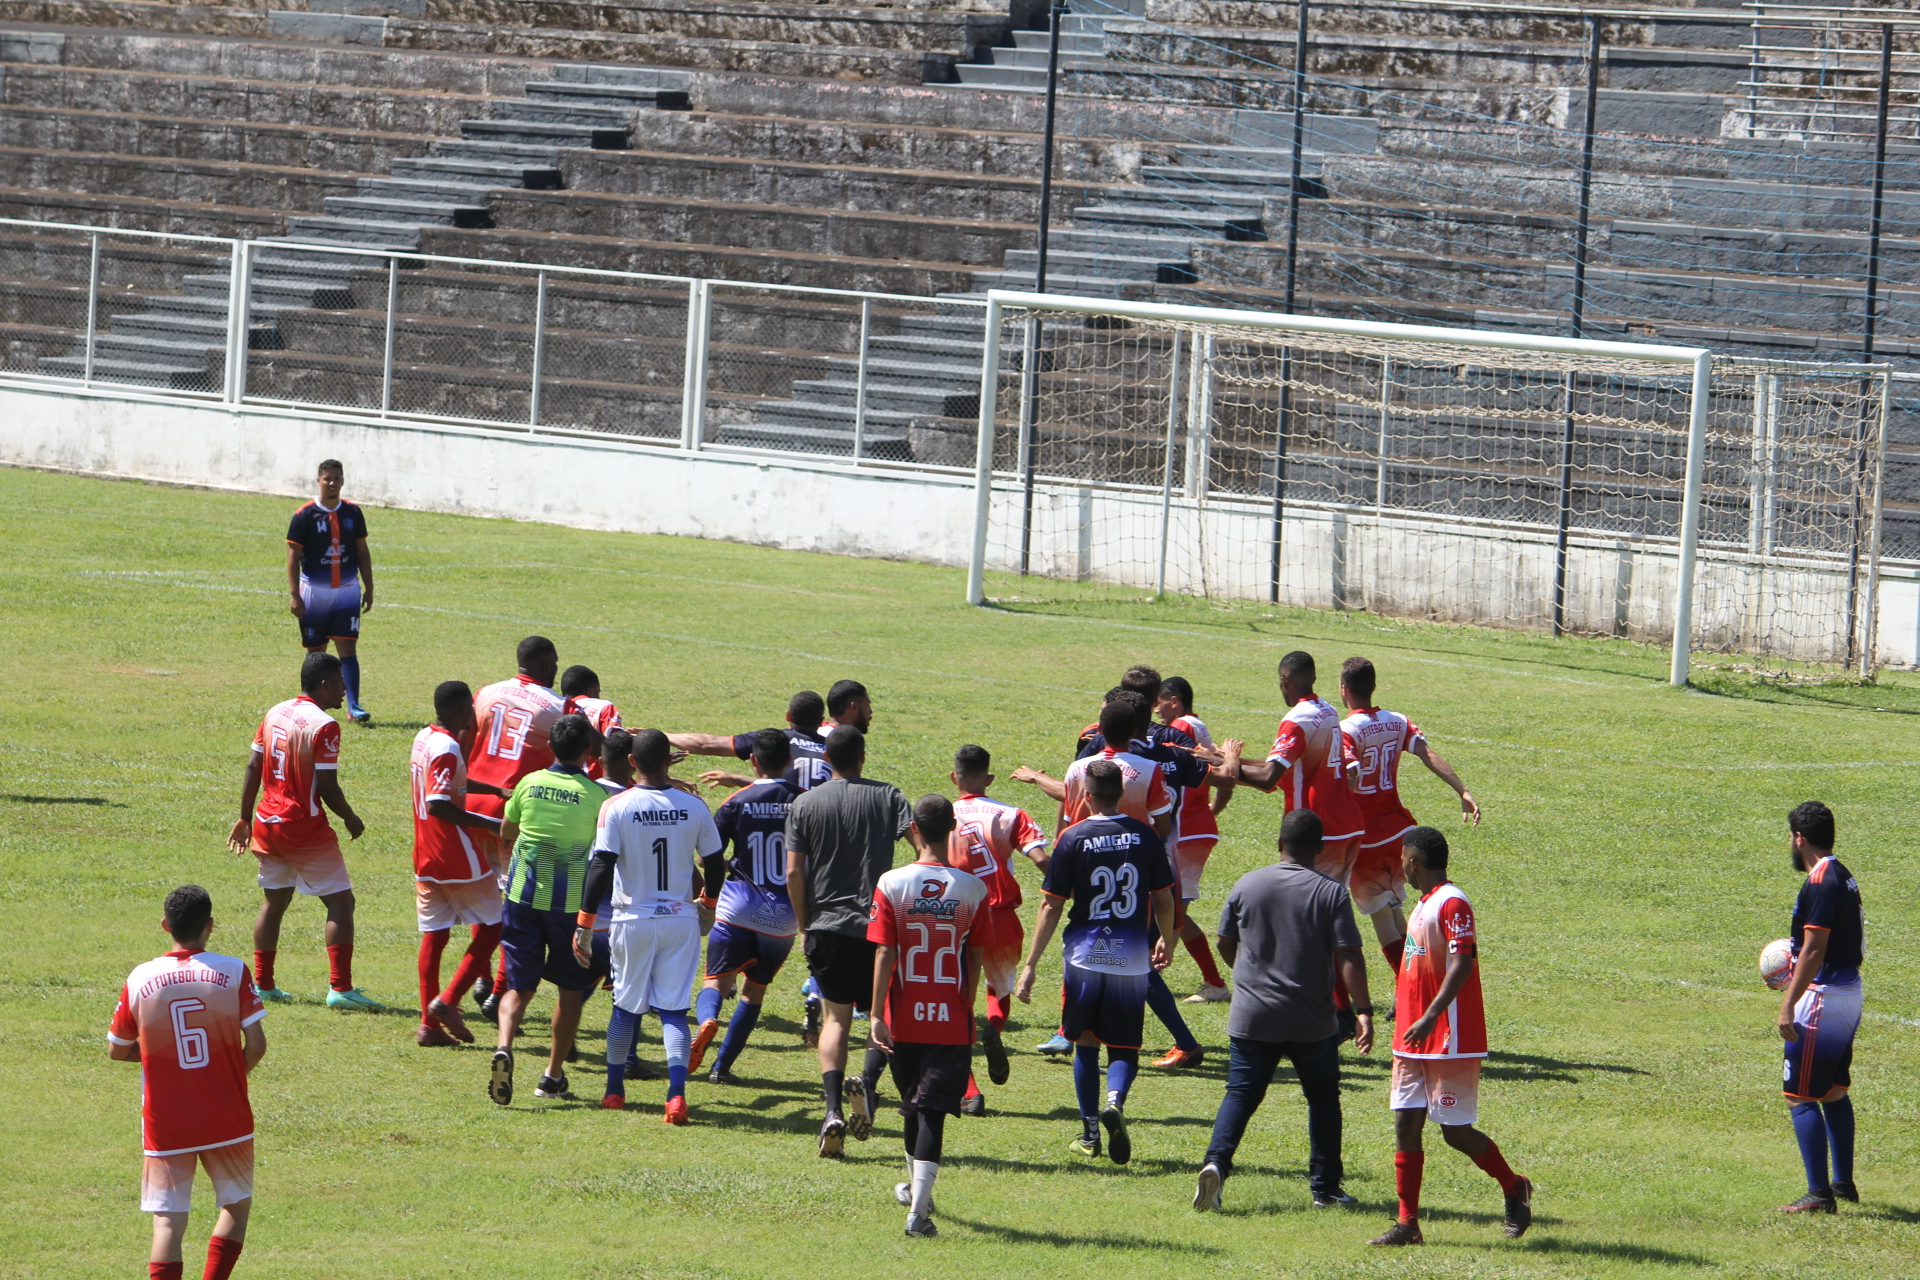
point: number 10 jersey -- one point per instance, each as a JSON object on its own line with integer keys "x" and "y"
{"x": 754, "y": 821}
{"x": 1108, "y": 869}
{"x": 658, "y": 837}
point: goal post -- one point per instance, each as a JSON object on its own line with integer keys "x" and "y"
{"x": 1133, "y": 450}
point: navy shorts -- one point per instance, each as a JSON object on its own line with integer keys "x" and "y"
{"x": 332, "y": 613}
{"x": 1822, "y": 1059}
{"x": 1113, "y": 1006}
{"x": 734, "y": 948}
{"x": 539, "y": 945}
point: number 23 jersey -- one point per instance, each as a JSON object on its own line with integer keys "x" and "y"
{"x": 927, "y": 910}
{"x": 1109, "y": 869}
{"x": 658, "y": 836}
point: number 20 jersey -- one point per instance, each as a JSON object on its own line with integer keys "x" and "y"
{"x": 927, "y": 910}
{"x": 754, "y": 821}
{"x": 658, "y": 835}
{"x": 1108, "y": 869}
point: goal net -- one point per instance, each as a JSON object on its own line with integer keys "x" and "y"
{"x": 1493, "y": 479}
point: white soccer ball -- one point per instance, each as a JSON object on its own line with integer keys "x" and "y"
{"x": 1776, "y": 963}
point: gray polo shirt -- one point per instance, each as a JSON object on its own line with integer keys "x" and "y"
{"x": 845, "y": 828}
{"x": 1287, "y": 919}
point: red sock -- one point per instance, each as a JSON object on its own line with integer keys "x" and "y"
{"x": 340, "y": 967}
{"x": 500, "y": 974}
{"x": 473, "y": 963}
{"x": 1407, "y": 1168}
{"x": 165, "y": 1270}
{"x": 1393, "y": 951}
{"x": 222, "y": 1253}
{"x": 1203, "y": 956}
{"x": 262, "y": 974}
{"x": 998, "y": 1007}
{"x": 432, "y": 944}
{"x": 1494, "y": 1165}
{"x": 973, "y": 1087}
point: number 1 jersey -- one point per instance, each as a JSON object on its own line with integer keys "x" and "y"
{"x": 658, "y": 837}
{"x": 927, "y": 910}
{"x": 1108, "y": 869}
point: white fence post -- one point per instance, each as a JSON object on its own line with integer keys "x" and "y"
{"x": 93, "y": 306}
{"x": 386, "y": 353}
{"x": 539, "y": 349}
{"x": 1690, "y": 518}
{"x": 1386, "y": 419}
{"x": 1199, "y": 416}
{"x": 860, "y": 383}
{"x": 1166, "y": 474}
{"x": 1871, "y": 625}
{"x": 693, "y": 390}
{"x": 983, "y": 455}
{"x": 239, "y": 303}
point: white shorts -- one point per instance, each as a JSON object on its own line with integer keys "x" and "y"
{"x": 318, "y": 872}
{"x": 1449, "y": 1088}
{"x": 654, "y": 962}
{"x": 1376, "y": 881}
{"x": 442, "y": 906}
{"x": 1190, "y": 857}
{"x": 166, "y": 1182}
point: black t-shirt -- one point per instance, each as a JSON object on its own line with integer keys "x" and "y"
{"x": 1830, "y": 900}
{"x": 328, "y": 541}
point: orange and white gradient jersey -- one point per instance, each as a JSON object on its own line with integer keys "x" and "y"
{"x": 442, "y": 852}
{"x": 1308, "y": 748}
{"x": 515, "y": 716}
{"x": 186, "y": 1011}
{"x": 1440, "y": 926}
{"x": 1196, "y": 803}
{"x": 1144, "y": 795}
{"x": 602, "y": 715}
{"x": 1376, "y": 741}
{"x": 987, "y": 837}
{"x": 295, "y": 742}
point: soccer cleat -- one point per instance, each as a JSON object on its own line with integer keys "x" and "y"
{"x": 1119, "y": 1145}
{"x": 1846, "y": 1191}
{"x": 1209, "y": 994}
{"x": 676, "y": 1112}
{"x": 903, "y": 1192}
{"x": 717, "y": 1076}
{"x": 1206, "y": 1192}
{"x": 1812, "y": 1202}
{"x": 1519, "y": 1209}
{"x": 701, "y": 1039}
{"x": 833, "y": 1138}
{"x": 996, "y": 1050}
{"x": 973, "y": 1105}
{"x": 490, "y": 1007}
{"x": 1088, "y": 1143}
{"x": 637, "y": 1070}
{"x": 921, "y": 1227}
{"x": 1178, "y": 1057}
{"x": 359, "y": 714}
{"x": 354, "y": 999}
{"x": 428, "y": 1036}
{"x": 1058, "y": 1047}
{"x": 500, "y": 1079}
{"x": 274, "y": 995}
{"x": 451, "y": 1018}
{"x": 614, "y": 1102}
{"x": 482, "y": 988}
{"x": 1400, "y": 1233}
{"x": 859, "y": 1111}
{"x": 1334, "y": 1199}
{"x": 552, "y": 1087}
{"x": 810, "y": 1033}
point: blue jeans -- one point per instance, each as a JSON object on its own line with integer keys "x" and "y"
{"x": 1250, "y": 1068}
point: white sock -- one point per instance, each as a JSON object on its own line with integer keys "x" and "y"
{"x": 1113, "y": 1099}
{"x": 924, "y": 1172}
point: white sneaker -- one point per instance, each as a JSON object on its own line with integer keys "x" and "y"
{"x": 1206, "y": 1196}
{"x": 1208, "y": 994}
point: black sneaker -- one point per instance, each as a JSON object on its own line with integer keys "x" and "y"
{"x": 490, "y": 1007}
{"x": 1812, "y": 1202}
{"x": 833, "y": 1138}
{"x": 1335, "y": 1199}
{"x": 638, "y": 1070}
{"x": 973, "y": 1104}
{"x": 552, "y": 1087}
{"x": 996, "y": 1050}
{"x": 500, "y": 1078}
{"x": 859, "y": 1110}
{"x": 1398, "y": 1235}
{"x": 1119, "y": 1145}
{"x": 717, "y": 1076}
{"x": 1846, "y": 1191}
{"x": 1519, "y": 1209}
{"x": 482, "y": 988}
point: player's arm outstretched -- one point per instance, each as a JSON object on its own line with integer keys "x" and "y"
{"x": 1053, "y": 788}
{"x": 1469, "y": 807}
{"x": 447, "y": 811}
{"x": 240, "y": 839}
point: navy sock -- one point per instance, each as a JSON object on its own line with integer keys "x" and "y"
{"x": 871, "y": 1070}
{"x": 1167, "y": 1009}
{"x": 679, "y": 1043}
{"x": 1811, "y": 1130}
{"x": 350, "y": 668}
{"x": 706, "y": 1005}
{"x": 1086, "y": 1078}
{"x": 1122, "y": 1066}
{"x": 621, "y": 1027}
{"x": 738, "y": 1029}
{"x": 1839, "y": 1117}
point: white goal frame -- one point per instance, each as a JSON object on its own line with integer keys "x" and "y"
{"x": 1701, "y": 360}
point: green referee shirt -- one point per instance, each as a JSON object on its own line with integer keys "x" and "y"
{"x": 557, "y": 810}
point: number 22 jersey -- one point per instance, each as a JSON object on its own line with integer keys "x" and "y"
{"x": 927, "y": 910}
{"x": 1109, "y": 869}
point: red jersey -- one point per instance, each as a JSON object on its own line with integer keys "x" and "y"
{"x": 987, "y": 837}
{"x": 927, "y": 910}
{"x": 295, "y": 742}
{"x": 1196, "y": 803}
{"x": 515, "y": 717}
{"x": 1144, "y": 793}
{"x": 1308, "y": 748}
{"x": 186, "y": 1011}
{"x": 603, "y": 715}
{"x": 442, "y": 852}
{"x": 1441, "y": 925}
{"x": 1376, "y": 740}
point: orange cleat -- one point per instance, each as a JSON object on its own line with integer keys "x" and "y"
{"x": 701, "y": 1039}
{"x": 614, "y": 1102}
{"x": 676, "y": 1111}
{"x": 1178, "y": 1057}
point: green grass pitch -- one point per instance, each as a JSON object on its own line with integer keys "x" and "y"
{"x": 1633, "y": 863}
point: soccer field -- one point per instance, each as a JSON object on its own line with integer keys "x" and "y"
{"x": 1633, "y": 862}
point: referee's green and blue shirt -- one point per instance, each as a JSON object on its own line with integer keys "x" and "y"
{"x": 557, "y": 810}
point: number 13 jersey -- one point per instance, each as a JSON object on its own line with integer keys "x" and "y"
{"x": 927, "y": 910}
{"x": 658, "y": 837}
{"x": 1109, "y": 868}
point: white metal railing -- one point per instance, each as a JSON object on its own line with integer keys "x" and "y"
{"x": 1816, "y": 75}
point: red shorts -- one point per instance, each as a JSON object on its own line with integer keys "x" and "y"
{"x": 1191, "y": 858}
{"x": 999, "y": 935}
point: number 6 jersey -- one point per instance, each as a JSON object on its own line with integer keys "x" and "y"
{"x": 927, "y": 910}
{"x": 188, "y": 1011}
{"x": 658, "y": 835}
{"x": 1109, "y": 868}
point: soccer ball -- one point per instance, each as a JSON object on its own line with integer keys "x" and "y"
{"x": 1776, "y": 963}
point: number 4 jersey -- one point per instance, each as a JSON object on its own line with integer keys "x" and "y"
{"x": 754, "y": 821}
{"x": 1108, "y": 869}
{"x": 658, "y": 836}
{"x": 927, "y": 910}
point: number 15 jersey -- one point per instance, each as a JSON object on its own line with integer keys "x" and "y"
{"x": 1109, "y": 868}
{"x": 658, "y": 837}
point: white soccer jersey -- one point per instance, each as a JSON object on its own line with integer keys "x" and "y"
{"x": 658, "y": 836}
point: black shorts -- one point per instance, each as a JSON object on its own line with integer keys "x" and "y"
{"x": 842, "y": 967}
{"x": 931, "y": 1077}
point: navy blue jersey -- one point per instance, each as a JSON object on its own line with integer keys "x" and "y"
{"x": 1830, "y": 900}
{"x": 329, "y": 541}
{"x": 1093, "y": 742}
{"x": 1109, "y": 868}
{"x": 754, "y": 822}
{"x": 809, "y": 768}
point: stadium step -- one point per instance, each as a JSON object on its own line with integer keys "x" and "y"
{"x": 418, "y": 212}
{"x": 885, "y": 396}
{"x": 570, "y": 110}
{"x": 628, "y": 96}
{"x": 533, "y": 133}
{"x": 491, "y": 152}
{"x": 828, "y": 437}
{"x": 503, "y": 173}
{"x": 135, "y": 372}
{"x": 1069, "y": 263}
{"x": 376, "y": 232}
{"x": 1225, "y": 226}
